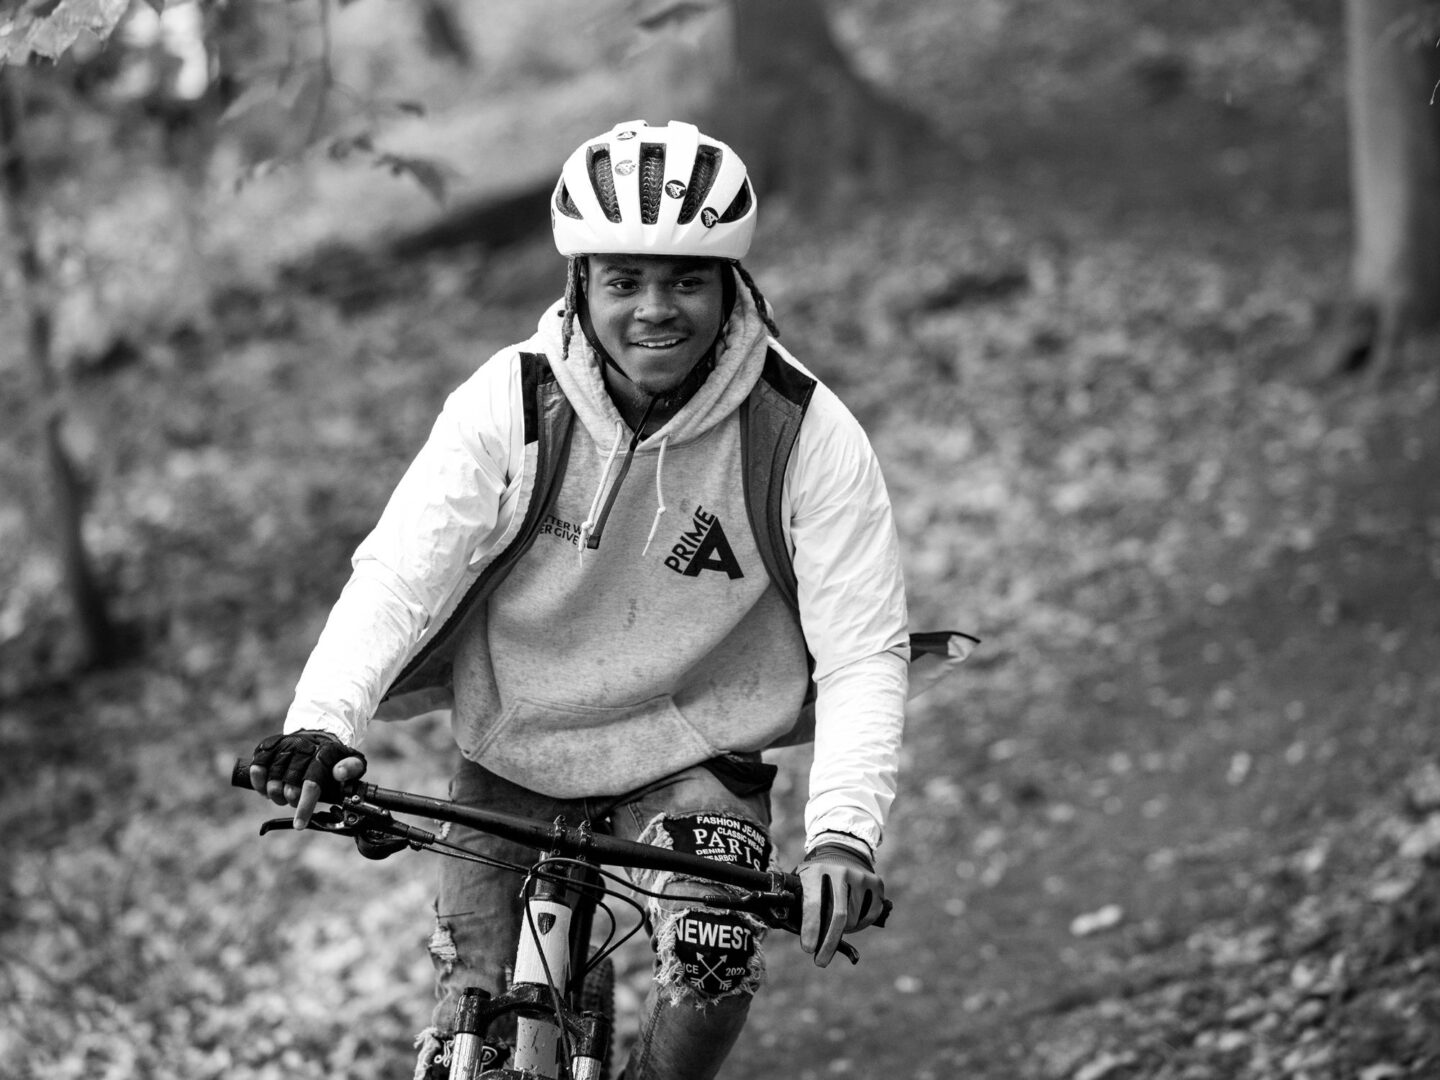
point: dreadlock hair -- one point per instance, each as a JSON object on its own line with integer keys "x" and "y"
{"x": 573, "y": 271}
{"x": 755, "y": 294}
{"x": 574, "y": 277}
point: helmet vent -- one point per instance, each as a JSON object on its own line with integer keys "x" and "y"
{"x": 565, "y": 204}
{"x": 707, "y": 165}
{"x": 739, "y": 206}
{"x": 652, "y": 181}
{"x": 603, "y": 180}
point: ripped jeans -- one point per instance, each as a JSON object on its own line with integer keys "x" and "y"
{"x": 708, "y": 963}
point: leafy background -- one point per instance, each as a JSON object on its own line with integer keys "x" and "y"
{"x": 1177, "y": 818}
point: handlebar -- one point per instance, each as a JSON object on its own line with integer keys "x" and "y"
{"x": 567, "y": 841}
{"x": 369, "y": 803}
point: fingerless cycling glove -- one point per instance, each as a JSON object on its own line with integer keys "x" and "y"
{"x": 304, "y": 755}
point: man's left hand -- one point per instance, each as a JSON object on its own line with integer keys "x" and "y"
{"x": 842, "y": 894}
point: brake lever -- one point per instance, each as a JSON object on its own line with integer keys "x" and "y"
{"x": 329, "y": 821}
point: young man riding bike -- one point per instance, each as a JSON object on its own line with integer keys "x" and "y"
{"x": 634, "y": 549}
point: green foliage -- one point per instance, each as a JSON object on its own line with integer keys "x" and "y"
{"x": 309, "y": 101}
{"x": 298, "y": 91}
{"x": 49, "y": 28}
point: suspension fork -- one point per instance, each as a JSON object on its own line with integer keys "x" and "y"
{"x": 550, "y": 961}
{"x": 554, "y": 949}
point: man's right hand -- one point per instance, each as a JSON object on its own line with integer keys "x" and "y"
{"x": 298, "y": 768}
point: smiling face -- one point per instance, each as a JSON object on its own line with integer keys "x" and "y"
{"x": 656, "y": 315}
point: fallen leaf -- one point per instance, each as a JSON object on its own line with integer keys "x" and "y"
{"x": 1104, "y": 1065}
{"x": 1094, "y": 922}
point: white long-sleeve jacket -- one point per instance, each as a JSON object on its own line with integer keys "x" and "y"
{"x": 461, "y": 502}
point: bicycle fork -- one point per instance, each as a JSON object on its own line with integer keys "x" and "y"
{"x": 554, "y": 942}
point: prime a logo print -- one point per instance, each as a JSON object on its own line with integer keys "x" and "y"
{"x": 704, "y": 546}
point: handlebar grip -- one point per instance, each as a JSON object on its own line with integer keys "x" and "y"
{"x": 240, "y": 774}
{"x": 791, "y": 884}
{"x": 330, "y": 791}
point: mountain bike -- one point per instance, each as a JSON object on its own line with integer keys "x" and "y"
{"x": 560, "y": 994}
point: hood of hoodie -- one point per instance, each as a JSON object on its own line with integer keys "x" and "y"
{"x": 738, "y": 364}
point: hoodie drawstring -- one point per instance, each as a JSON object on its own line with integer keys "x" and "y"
{"x": 659, "y": 494}
{"x": 589, "y": 522}
{"x": 592, "y": 527}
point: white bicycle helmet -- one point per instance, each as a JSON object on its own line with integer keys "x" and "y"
{"x": 654, "y": 190}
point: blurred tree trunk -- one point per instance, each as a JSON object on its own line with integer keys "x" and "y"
{"x": 1395, "y": 179}
{"x": 801, "y": 115}
{"x": 98, "y": 640}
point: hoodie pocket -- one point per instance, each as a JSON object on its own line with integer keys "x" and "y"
{"x": 586, "y": 748}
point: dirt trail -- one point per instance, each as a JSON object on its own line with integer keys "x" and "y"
{"x": 1217, "y": 863}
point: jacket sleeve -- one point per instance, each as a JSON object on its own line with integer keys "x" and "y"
{"x": 445, "y": 513}
{"x": 853, "y": 614}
